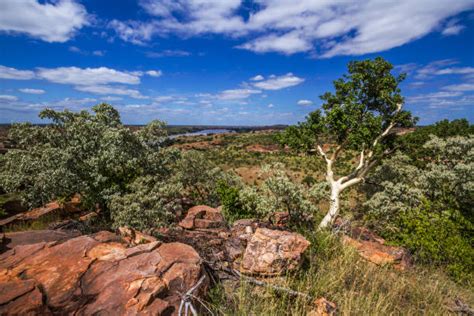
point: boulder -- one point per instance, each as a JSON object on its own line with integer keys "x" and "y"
{"x": 273, "y": 252}
{"x": 11, "y": 240}
{"x": 96, "y": 274}
{"x": 203, "y": 217}
{"x": 376, "y": 252}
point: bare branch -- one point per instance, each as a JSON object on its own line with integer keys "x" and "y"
{"x": 385, "y": 132}
{"x": 351, "y": 182}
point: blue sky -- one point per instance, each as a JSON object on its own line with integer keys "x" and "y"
{"x": 227, "y": 62}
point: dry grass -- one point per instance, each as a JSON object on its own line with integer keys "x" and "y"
{"x": 357, "y": 287}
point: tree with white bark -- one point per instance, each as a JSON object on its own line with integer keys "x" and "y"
{"x": 355, "y": 122}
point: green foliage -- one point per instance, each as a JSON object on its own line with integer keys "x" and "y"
{"x": 154, "y": 200}
{"x": 200, "y": 178}
{"x": 412, "y": 143}
{"x": 437, "y": 238}
{"x": 363, "y": 105}
{"x": 149, "y": 203}
{"x": 277, "y": 193}
{"x": 429, "y": 209}
{"x": 90, "y": 154}
{"x": 232, "y": 208}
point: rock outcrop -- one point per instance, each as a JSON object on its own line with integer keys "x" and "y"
{"x": 273, "y": 252}
{"x": 203, "y": 217}
{"x": 50, "y": 208}
{"x": 376, "y": 252}
{"x": 96, "y": 274}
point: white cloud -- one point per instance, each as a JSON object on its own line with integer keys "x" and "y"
{"x": 343, "y": 27}
{"x": 279, "y": 82}
{"x": 168, "y": 53}
{"x": 270, "y": 106}
{"x": 452, "y": 28}
{"x": 432, "y": 68}
{"x": 305, "y": 102}
{"x": 455, "y": 71}
{"x": 257, "y": 78}
{"x": 460, "y": 87}
{"x": 71, "y": 102}
{"x": 32, "y": 91}
{"x": 77, "y": 50}
{"x": 110, "y": 98}
{"x": 104, "y": 89}
{"x": 55, "y": 21}
{"x": 154, "y": 73}
{"x": 236, "y": 94}
{"x": 287, "y": 44}
{"x": 87, "y": 76}
{"x": 4, "y": 98}
{"x": 12, "y": 73}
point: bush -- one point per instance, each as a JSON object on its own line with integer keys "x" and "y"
{"x": 436, "y": 238}
{"x": 91, "y": 154}
{"x": 428, "y": 209}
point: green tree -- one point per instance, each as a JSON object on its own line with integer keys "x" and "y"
{"x": 356, "y": 119}
{"x": 88, "y": 153}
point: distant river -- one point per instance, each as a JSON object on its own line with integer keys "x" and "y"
{"x": 204, "y": 132}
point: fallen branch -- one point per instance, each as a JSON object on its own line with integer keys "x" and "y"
{"x": 186, "y": 299}
{"x": 462, "y": 308}
{"x": 275, "y": 287}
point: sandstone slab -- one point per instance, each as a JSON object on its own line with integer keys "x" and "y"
{"x": 203, "y": 217}
{"x": 96, "y": 274}
{"x": 273, "y": 252}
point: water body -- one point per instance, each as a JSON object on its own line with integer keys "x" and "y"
{"x": 204, "y": 132}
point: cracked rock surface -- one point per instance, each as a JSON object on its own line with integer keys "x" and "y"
{"x": 96, "y": 274}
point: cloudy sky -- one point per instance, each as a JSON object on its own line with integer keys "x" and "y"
{"x": 227, "y": 61}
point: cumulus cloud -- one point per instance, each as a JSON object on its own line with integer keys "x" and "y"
{"x": 87, "y": 76}
{"x": 305, "y": 102}
{"x": 279, "y": 82}
{"x": 270, "y": 106}
{"x": 55, "y": 21}
{"x": 154, "y": 73}
{"x": 344, "y": 27}
{"x": 237, "y": 94}
{"x": 257, "y": 78}
{"x": 32, "y": 91}
{"x": 287, "y": 44}
{"x": 15, "y": 74}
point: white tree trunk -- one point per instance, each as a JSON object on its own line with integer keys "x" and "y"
{"x": 333, "y": 206}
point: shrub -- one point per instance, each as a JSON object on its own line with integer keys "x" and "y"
{"x": 91, "y": 154}
{"x": 429, "y": 208}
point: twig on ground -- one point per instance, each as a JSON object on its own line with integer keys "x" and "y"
{"x": 275, "y": 287}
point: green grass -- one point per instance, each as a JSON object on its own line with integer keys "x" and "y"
{"x": 356, "y": 286}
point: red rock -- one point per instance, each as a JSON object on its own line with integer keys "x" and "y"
{"x": 96, "y": 275}
{"x": 135, "y": 237}
{"x": 12, "y": 240}
{"x": 323, "y": 308}
{"x": 273, "y": 252}
{"x": 378, "y": 253}
{"x": 202, "y": 217}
